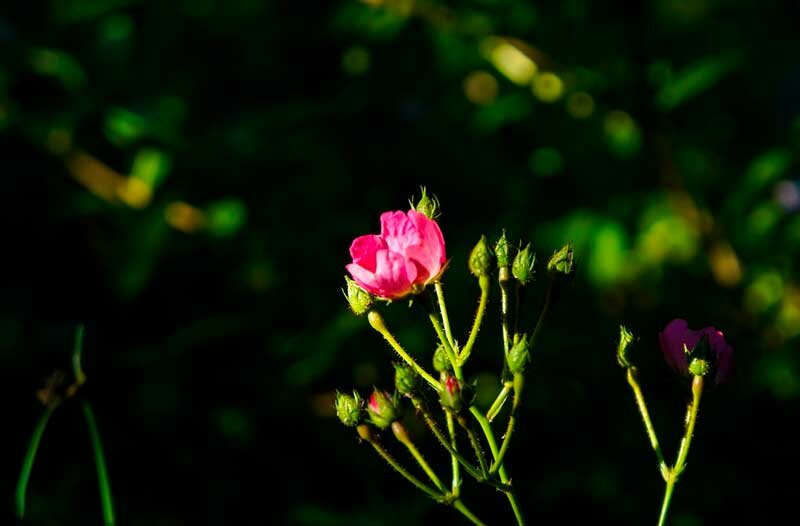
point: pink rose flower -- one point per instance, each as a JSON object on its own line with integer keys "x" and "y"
{"x": 677, "y": 334}
{"x": 408, "y": 252}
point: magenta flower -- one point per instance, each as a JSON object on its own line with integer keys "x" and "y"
{"x": 677, "y": 334}
{"x": 408, "y": 252}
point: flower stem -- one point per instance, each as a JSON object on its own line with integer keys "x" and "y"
{"x": 484, "y": 284}
{"x": 548, "y": 299}
{"x": 476, "y": 446}
{"x": 455, "y": 458}
{"x": 487, "y": 431}
{"x": 498, "y": 403}
{"x": 512, "y": 420}
{"x": 505, "y": 283}
{"x": 77, "y": 350}
{"x": 30, "y": 456}
{"x": 648, "y": 424}
{"x": 468, "y": 514}
{"x": 674, "y": 473}
{"x": 451, "y": 355}
{"x": 445, "y": 319}
{"x": 402, "y": 436}
{"x": 377, "y": 323}
{"x": 106, "y": 501}
{"x": 400, "y": 469}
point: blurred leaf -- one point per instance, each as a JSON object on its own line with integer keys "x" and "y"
{"x": 226, "y": 217}
{"x": 694, "y": 79}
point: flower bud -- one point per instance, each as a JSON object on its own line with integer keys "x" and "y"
{"x": 440, "y": 360}
{"x": 450, "y": 396}
{"x": 359, "y": 299}
{"x": 625, "y": 339}
{"x": 348, "y": 408}
{"x": 561, "y": 262}
{"x": 522, "y": 268}
{"x": 519, "y": 356}
{"x": 381, "y": 408}
{"x": 480, "y": 259}
{"x": 502, "y": 250}
{"x": 427, "y": 205}
{"x": 406, "y": 379}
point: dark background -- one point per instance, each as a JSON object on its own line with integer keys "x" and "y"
{"x": 185, "y": 178}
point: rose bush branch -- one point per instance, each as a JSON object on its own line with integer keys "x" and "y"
{"x": 692, "y": 354}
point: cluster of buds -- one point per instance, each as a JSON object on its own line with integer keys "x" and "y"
{"x": 406, "y": 260}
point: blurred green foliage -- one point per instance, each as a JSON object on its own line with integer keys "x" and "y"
{"x": 186, "y": 177}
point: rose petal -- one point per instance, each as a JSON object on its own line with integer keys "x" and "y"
{"x": 398, "y": 232}
{"x": 394, "y": 274}
{"x": 364, "y": 248}
{"x": 364, "y": 278}
{"x": 672, "y": 340}
{"x": 430, "y": 252}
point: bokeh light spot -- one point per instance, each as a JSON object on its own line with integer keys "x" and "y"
{"x": 580, "y": 105}
{"x": 546, "y": 162}
{"x": 480, "y": 87}
{"x": 510, "y": 61}
{"x": 356, "y": 60}
{"x": 547, "y": 87}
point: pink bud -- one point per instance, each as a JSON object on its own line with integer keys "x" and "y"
{"x": 409, "y": 251}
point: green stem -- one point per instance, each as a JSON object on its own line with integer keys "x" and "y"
{"x": 452, "y": 448}
{"x": 77, "y": 350}
{"x": 445, "y": 319}
{"x": 667, "y": 499}
{"x": 30, "y": 456}
{"x": 484, "y": 284}
{"x": 401, "y": 435}
{"x": 468, "y": 514}
{"x": 487, "y": 431}
{"x": 505, "y": 281}
{"x": 100, "y": 462}
{"x": 498, "y": 403}
{"x": 476, "y": 446}
{"x": 512, "y": 420}
{"x": 548, "y": 299}
{"x": 400, "y": 469}
{"x": 648, "y": 424}
{"x": 674, "y": 473}
{"x": 691, "y": 420}
{"x": 377, "y": 323}
{"x": 451, "y": 355}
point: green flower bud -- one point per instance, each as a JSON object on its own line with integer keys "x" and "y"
{"x": 480, "y": 259}
{"x": 522, "y": 268}
{"x": 519, "y": 356}
{"x": 502, "y": 250}
{"x": 427, "y": 205}
{"x": 450, "y": 397}
{"x": 625, "y": 340}
{"x": 406, "y": 379}
{"x": 360, "y": 300}
{"x": 561, "y": 262}
{"x": 348, "y": 408}
{"x": 381, "y": 409}
{"x": 440, "y": 360}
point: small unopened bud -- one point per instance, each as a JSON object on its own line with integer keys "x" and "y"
{"x": 480, "y": 259}
{"x": 561, "y": 262}
{"x": 400, "y": 432}
{"x": 364, "y": 432}
{"x": 625, "y": 340}
{"x": 450, "y": 396}
{"x": 519, "y": 356}
{"x": 381, "y": 408}
{"x": 348, "y": 408}
{"x": 427, "y": 205}
{"x": 406, "y": 379}
{"x": 502, "y": 250}
{"x": 359, "y": 299}
{"x": 522, "y": 268}
{"x": 440, "y": 360}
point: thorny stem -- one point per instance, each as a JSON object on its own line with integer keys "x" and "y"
{"x": 498, "y": 403}
{"x": 451, "y": 447}
{"x": 377, "y": 323}
{"x": 30, "y": 456}
{"x": 648, "y": 424}
{"x": 484, "y": 284}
